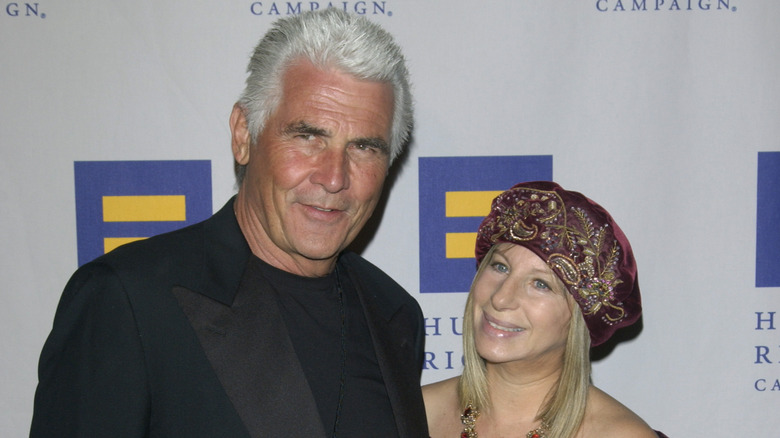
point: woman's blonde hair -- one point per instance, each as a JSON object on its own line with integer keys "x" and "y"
{"x": 564, "y": 408}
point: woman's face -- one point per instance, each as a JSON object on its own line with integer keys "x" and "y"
{"x": 521, "y": 308}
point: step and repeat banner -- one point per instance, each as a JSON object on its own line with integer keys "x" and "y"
{"x": 114, "y": 126}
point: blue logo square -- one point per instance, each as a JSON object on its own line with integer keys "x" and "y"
{"x": 455, "y": 195}
{"x": 121, "y": 201}
{"x": 768, "y": 219}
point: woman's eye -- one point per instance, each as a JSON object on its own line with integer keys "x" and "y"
{"x": 539, "y": 284}
{"x": 500, "y": 267}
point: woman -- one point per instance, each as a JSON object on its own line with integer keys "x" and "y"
{"x": 556, "y": 275}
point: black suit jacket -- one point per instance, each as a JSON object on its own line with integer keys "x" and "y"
{"x": 168, "y": 337}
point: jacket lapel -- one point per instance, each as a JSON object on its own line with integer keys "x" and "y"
{"x": 394, "y": 344}
{"x": 250, "y": 350}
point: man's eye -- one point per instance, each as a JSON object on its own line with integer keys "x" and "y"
{"x": 370, "y": 147}
{"x": 306, "y": 137}
{"x": 366, "y": 147}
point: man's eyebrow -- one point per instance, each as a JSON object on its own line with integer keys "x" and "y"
{"x": 301, "y": 127}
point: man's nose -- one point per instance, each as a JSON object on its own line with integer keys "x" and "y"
{"x": 332, "y": 170}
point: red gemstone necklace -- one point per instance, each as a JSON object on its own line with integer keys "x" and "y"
{"x": 469, "y": 420}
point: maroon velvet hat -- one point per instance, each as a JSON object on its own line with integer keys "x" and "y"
{"x": 580, "y": 242}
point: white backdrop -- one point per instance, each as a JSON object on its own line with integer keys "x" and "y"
{"x": 657, "y": 109}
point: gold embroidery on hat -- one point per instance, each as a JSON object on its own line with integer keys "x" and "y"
{"x": 599, "y": 282}
{"x": 578, "y": 247}
{"x": 512, "y": 223}
{"x": 565, "y": 267}
{"x": 573, "y": 249}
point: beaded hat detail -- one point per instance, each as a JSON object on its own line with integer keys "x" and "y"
{"x": 580, "y": 242}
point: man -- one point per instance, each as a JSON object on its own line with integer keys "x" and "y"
{"x": 255, "y": 322}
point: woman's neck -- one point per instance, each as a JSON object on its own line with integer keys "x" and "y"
{"x": 518, "y": 392}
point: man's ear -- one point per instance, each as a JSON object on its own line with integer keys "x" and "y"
{"x": 239, "y": 134}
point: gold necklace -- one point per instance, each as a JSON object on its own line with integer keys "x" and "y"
{"x": 469, "y": 420}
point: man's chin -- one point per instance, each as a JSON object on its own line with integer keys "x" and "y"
{"x": 319, "y": 255}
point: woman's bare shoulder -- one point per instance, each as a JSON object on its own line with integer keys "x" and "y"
{"x": 442, "y": 408}
{"x": 441, "y": 396}
{"x": 446, "y": 387}
{"x": 606, "y": 417}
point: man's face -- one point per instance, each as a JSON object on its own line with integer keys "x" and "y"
{"x": 316, "y": 172}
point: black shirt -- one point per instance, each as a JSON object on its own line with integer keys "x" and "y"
{"x": 312, "y": 309}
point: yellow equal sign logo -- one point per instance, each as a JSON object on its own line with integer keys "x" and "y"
{"x": 144, "y": 208}
{"x": 465, "y": 204}
{"x": 162, "y": 208}
{"x": 112, "y": 243}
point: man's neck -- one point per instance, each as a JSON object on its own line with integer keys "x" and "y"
{"x": 262, "y": 247}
